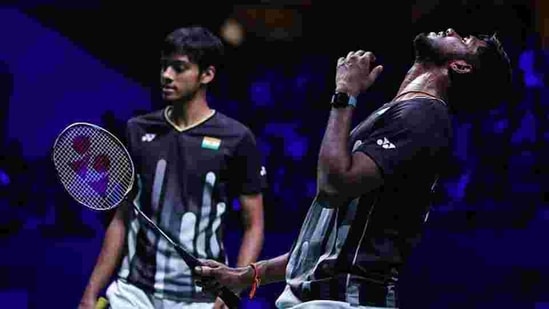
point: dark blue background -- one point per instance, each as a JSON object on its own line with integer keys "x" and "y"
{"x": 60, "y": 62}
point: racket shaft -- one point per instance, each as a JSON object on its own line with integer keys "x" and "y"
{"x": 231, "y": 299}
{"x": 190, "y": 260}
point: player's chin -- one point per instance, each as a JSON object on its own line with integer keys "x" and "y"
{"x": 170, "y": 97}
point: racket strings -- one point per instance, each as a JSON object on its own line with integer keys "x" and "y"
{"x": 93, "y": 166}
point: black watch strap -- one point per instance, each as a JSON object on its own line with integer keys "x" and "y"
{"x": 341, "y": 99}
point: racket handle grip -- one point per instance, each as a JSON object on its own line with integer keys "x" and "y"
{"x": 102, "y": 303}
{"x": 229, "y": 298}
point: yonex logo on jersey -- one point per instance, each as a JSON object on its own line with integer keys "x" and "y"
{"x": 211, "y": 143}
{"x": 148, "y": 137}
{"x": 385, "y": 143}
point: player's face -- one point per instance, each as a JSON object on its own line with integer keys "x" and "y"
{"x": 180, "y": 78}
{"x": 445, "y": 45}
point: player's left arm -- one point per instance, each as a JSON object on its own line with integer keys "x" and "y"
{"x": 250, "y": 181}
{"x": 252, "y": 239}
{"x": 253, "y": 222}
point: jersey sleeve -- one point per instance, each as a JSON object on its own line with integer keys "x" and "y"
{"x": 406, "y": 136}
{"x": 247, "y": 172}
{"x": 128, "y": 142}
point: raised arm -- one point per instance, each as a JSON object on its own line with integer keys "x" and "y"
{"x": 340, "y": 174}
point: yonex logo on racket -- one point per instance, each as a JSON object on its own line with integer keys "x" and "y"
{"x": 98, "y": 177}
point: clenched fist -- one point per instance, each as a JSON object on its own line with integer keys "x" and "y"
{"x": 356, "y": 72}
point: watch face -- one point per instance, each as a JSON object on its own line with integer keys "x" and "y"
{"x": 340, "y": 100}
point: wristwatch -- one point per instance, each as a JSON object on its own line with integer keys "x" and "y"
{"x": 341, "y": 99}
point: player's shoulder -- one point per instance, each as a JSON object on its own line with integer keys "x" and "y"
{"x": 421, "y": 111}
{"x": 230, "y": 124}
{"x": 151, "y": 118}
{"x": 421, "y": 104}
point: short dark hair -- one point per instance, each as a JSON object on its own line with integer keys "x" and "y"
{"x": 196, "y": 42}
{"x": 490, "y": 82}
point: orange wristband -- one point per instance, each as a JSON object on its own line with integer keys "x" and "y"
{"x": 256, "y": 280}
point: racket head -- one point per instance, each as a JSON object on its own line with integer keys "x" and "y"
{"x": 93, "y": 165}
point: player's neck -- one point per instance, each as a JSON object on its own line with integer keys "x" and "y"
{"x": 190, "y": 112}
{"x": 424, "y": 80}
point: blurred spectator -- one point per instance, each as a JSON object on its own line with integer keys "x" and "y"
{"x": 533, "y": 63}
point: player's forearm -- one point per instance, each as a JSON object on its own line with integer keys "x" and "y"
{"x": 252, "y": 242}
{"x": 334, "y": 156}
{"x": 109, "y": 257}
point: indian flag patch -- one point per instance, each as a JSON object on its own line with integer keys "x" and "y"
{"x": 211, "y": 143}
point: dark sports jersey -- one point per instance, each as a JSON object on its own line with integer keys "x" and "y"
{"x": 186, "y": 180}
{"x": 353, "y": 253}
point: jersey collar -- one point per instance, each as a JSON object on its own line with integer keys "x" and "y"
{"x": 167, "y": 114}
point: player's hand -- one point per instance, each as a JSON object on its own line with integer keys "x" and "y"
{"x": 356, "y": 72}
{"x": 214, "y": 275}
